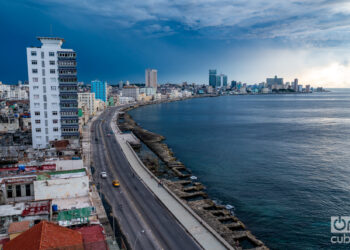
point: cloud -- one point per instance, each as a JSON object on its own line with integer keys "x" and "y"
{"x": 315, "y": 21}
{"x": 334, "y": 74}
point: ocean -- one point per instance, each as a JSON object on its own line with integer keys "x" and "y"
{"x": 283, "y": 161}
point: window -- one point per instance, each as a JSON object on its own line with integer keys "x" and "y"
{"x": 37, "y": 121}
{"x": 55, "y": 129}
{"x": 54, "y": 96}
{"x": 53, "y": 88}
{"x": 34, "y": 71}
{"x": 43, "y": 70}
{"x": 34, "y": 62}
{"x": 38, "y": 130}
{"x": 36, "y": 105}
{"x": 37, "y": 113}
{"x": 27, "y": 189}
{"x": 33, "y": 53}
{"x": 9, "y": 192}
{"x": 54, "y": 112}
{"x": 43, "y": 64}
{"x": 36, "y": 96}
{"x": 52, "y": 62}
{"x": 55, "y": 121}
{"x": 35, "y": 87}
{"x": 18, "y": 191}
{"x": 53, "y": 79}
{"x": 52, "y": 71}
{"x": 42, "y": 54}
{"x": 35, "y": 79}
{"x": 51, "y": 53}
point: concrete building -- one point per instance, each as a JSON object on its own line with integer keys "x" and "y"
{"x": 100, "y": 90}
{"x": 87, "y": 99}
{"x": 295, "y": 85}
{"x": 13, "y": 92}
{"x": 151, "y": 78}
{"x": 274, "y": 81}
{"x": 307, "y": 89}
{"x": 52, "y": 79}
{"x": 131, "y": 91}
{"x": 148, "y": 91}
{"x": 300, "y": 88}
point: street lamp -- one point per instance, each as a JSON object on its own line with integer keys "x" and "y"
{"x": 137, "y": 237}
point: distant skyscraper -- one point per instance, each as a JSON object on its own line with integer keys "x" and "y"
{"x": 274, "y": 81}
{"x": 212, "y": 77}
{"x": 52, "y": 79}
{"x": 307, "y": 88}
{"x": 295, "y": 85}
{"x": 218, "y": 81}
{"x": 224, "y": 80}
{"x": 151, "y": 78}
{"x": 120, "y": 84}
{"x": 100, "y": 90}
{"x": 233, "y": 84}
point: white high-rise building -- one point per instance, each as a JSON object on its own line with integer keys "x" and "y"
{"x": 52, "y": 92}
{"x": 151, "y": 78}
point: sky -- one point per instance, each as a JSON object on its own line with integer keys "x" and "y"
{"x": 248, "y": 40}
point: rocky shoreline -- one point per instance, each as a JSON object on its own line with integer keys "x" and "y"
{"x": 177, "y": 178}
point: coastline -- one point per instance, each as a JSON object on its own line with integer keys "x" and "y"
{"x": 178, "y": 179}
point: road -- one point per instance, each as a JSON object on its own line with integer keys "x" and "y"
{"x": 145, "y": 221}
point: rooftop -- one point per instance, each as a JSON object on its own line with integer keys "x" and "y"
{"x": 46, "y": 235}
{"x": 50, "y": 38}
{"x": 18, "y": 227}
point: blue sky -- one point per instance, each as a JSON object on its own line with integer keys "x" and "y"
{"x": 248, "y": 40}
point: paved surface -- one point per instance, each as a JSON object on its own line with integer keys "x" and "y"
{"x": 206, "y": 236}
{"x": 144, "y": 220}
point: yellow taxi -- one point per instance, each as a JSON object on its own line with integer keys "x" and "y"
{"x": 115, "y": 183}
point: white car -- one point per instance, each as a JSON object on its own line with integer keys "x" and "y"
{"x": 103, "y": 175}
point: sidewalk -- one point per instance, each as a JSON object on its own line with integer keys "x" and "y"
{"x": 205, "y": 236}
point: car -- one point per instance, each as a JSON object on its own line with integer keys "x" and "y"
{"x": 115, "y": 183}
{"x": 103, "y": 175}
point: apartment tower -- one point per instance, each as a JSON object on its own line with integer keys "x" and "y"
{"x": 151, "y": 78}
{"x": 52, "y": 77}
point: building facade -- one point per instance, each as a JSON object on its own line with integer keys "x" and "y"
{"x": 52, "y": 77}
{"x": 87, "y": 99}
{"x": 151, "y": 78}
{"x": 274, "y": 81}
{"x": 131, "y": 91}
{"x": 212, "y": 77}
{"x": 100, "y": 90}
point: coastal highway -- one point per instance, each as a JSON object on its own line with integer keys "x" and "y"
{"x": 144, "y": 220}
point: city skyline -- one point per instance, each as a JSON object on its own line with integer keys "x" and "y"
{"x": 305, "y": 40}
